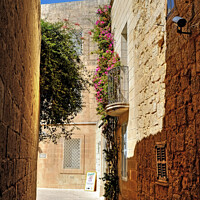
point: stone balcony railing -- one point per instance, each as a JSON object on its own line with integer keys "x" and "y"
{"x": 118, "y": 91}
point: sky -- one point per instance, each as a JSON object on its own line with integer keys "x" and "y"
{"x": 55, "y": 1}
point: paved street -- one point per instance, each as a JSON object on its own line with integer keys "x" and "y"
{"x": 63, "y": 194}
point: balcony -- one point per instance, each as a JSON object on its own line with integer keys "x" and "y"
{"x": 118, "y": 91}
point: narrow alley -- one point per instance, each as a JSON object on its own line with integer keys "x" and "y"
{"x": 133, "y": 133}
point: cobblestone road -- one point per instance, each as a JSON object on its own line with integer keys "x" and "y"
{"x": 62, "y": 194}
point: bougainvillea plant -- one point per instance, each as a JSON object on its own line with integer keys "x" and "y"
{"x": 107, "y": 58}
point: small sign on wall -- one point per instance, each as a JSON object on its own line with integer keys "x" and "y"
{"x": 90, "y": 184}
{"x": 42, "y": 155}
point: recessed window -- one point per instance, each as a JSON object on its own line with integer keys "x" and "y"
{"x": 124, "y": 47}
{"x": 170, "y": 5}
{"x": 72, "y": 154}
{"x": 124, "y": 151}
{"x": 161, "y": 161}
{"x": 78, "y": 41}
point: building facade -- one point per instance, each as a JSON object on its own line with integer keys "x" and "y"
{"x": 65, "y": 165}
{"x": 159, "y": 132}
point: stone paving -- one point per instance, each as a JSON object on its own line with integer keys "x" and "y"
{"x": 65, "y": 194}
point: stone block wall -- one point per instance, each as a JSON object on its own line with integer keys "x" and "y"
{"x": 19, "y": 98}
{"x": 180, "y": 125}
{"x": 51, "y": 173}
{"x": 145, "y": 22}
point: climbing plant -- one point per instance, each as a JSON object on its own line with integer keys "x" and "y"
{"x": 111, "y": 156}
{"x": 107, "y": 59}
{"x": 61, "y": 78}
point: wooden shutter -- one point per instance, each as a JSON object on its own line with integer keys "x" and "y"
{"x": 161, "y": 159}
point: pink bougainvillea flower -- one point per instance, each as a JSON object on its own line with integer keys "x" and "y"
{"x": 107, "y": 58}
{"x": 89, "y": 32}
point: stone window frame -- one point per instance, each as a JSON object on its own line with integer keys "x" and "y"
{"x": 162, "y": 146}
{"x": 82, "y": 157}
{"x": 124, "y": 163}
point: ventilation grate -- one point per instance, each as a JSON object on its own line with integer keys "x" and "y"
{"x": 161, "y": 161}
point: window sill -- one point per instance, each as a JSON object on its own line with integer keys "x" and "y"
{"x": 162, "y": 183}
{"x": 71, "y": 171}
{"x": 124, "y": 178}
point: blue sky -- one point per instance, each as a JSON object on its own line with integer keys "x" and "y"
{"x": 55, "y": 1}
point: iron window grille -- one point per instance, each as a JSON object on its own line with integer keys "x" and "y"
{"x": 77, "y": 40}
{"x": 161, "y": 159}
{"x": 72, "y": 153}
{"x": 124, "y": 151}
{"x": 118, "y": 85}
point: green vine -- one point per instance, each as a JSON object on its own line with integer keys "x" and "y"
{"x": 107, "y": 59}
{"x": 111, "y": 155}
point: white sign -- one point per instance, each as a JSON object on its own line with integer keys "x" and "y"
{"x": 42, "y": 155}
{"x": 90, "y": 184}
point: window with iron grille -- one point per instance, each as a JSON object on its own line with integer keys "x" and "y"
{"x": 124, "y": 151}
{"x": 170, "y": 5}
{"x": 161, "y": 159}
{"x": 72, "y": 153}
{"x": 77, "y": 40}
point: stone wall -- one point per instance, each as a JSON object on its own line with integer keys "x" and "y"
{"x": 19, "y": 98}
{"x": 145, "y": 58}
{"x": 180, "y": 126}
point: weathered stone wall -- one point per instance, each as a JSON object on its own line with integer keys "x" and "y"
{"x": 140, "y": 22}
{"x": 181, "y": 122}
{"x": 146, "y": 62}
{"x": 19, "y": 98}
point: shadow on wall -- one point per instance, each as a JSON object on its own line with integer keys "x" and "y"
{"x": 179, "y": 177}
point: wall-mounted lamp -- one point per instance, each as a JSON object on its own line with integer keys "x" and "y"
{"x": 180, "y": 22}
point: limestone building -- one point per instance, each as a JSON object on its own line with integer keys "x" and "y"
{"x": 159, "y": 124}
{"x": 65, "y": 165}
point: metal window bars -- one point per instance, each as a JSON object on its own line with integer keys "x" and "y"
{"x": 118, "y": 85}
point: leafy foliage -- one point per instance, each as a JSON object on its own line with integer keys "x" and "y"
{"x": 61, "y": 77}
{"x": 111, "y": 155}
{"x": 107, "y": 59}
